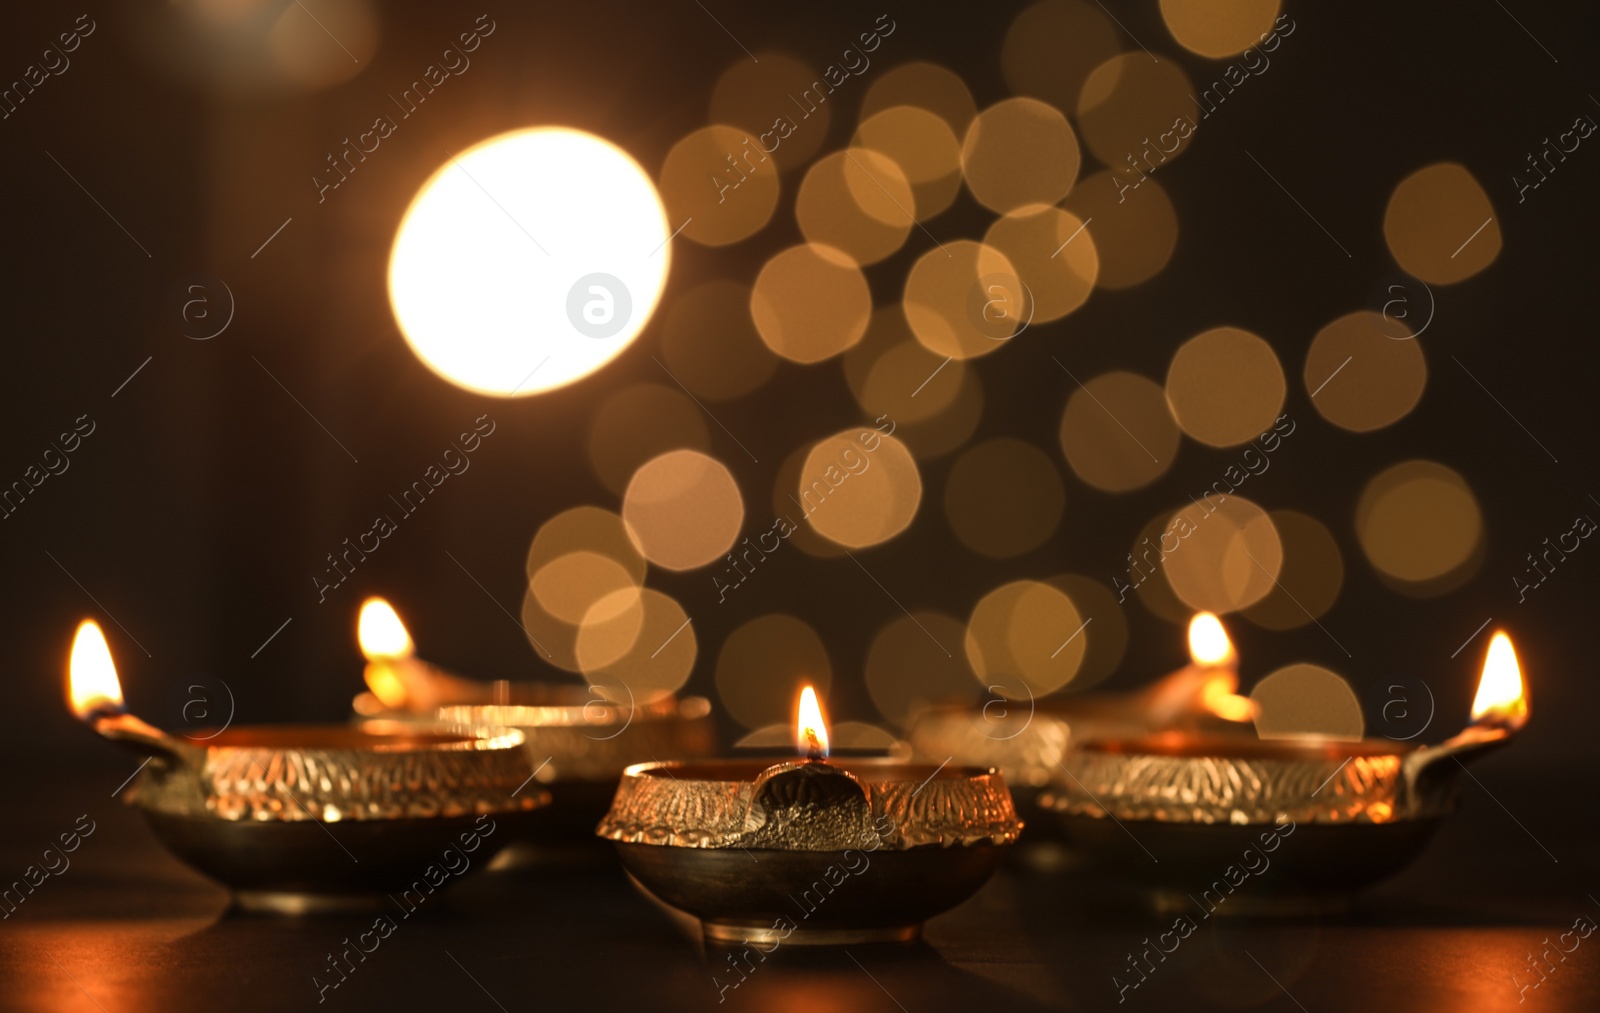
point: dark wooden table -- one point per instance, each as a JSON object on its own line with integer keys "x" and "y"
{"x": 127, "y": 928}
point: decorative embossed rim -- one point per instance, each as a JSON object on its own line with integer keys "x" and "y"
{"x": 1184, "y": 778}
{"x": 705, "y": 803}
{"x": 293, "y": 773}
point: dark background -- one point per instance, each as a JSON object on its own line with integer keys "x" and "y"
{"x": 198, "y": 511}
{"x": 203, "y": 503}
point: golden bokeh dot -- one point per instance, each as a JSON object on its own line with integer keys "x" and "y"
{"x": 1418, "y": 521}
{"x": 1020, "y": 640}
{"x": 856, "y": 201}
{"x": 964, "y": 300}
{"x": 1365, "y": 371}
{"x": 787, "y": 507}
{"x": 638, "y": 423}
{"x": 859, "y": 487}
{"x": 1219, "y": 28}
{"x": 635, "y": 647}
{"x": 926, "y": 86}
{"x": 571, "y": 584}
{"x": 1222, "y": 553}
{"x": 1131, "y": 108}
{"x": 1225, "y": 386}
{"x": 1145, "y": 578}
{"x": 1003, "y": 498}
{"x": 891, "y": 373}
{"x": 765, "y": 663}
{"x": 1051, "y": 48}
{"x": 927, "y": 151}
{"x": 585, "y": 529}
{"x": 1307, "y": 701}
{"x": 1017, "y": 152}
{"x": 779, "y": 102}
{"x": 1118, "y": 433}
{"x": 914, "y": 662}
{"x": 553, "y": 640}
{"x": 1135, "y": 229}
{"x": 717, "y": 184}
{"x": 1312, "y": 574}
{"x": 683, "y": 509}
{"x": 1440, "y": 226}
{"x": 1105, "y": 636}
{"x": 711, "y": 344}
{"x": 1052, "y": 253}
{"x": 810, "y": 302}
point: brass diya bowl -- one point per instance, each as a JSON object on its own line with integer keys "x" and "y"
{"x": 810, "y": 852}
{"x": 579, "y": 744}
{"x": 298, "y": 819}
{"x": 1254, "y": 826}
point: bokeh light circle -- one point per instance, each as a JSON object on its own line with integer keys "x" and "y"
{"x": 1364, "y": 372}
{"x": 810, "y": 302}
{"x": 1019, "y": 152}
{"x": 764, "y": 664}
{"x": 494, "y": 242}
{"x": 1020, "y": 639}
{"x": 859, "y": 487}
{"x": 1225, "y": 386}
{"x": 1221, "y": 553}
{"x": 1307, "y": 701}
{"x": 1418, "y": 521}
{"x": 1219, "y": 28}
{"x": 1440, "y": 226}
{"x": 683, "y": 509}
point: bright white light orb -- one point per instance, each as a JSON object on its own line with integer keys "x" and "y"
{"x": 529, "y": 261}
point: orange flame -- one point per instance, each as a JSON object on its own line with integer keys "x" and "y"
{"x": 91, "y": 674}
{"x": 1501, "y": 695}
{"x": 1209, "y": 645}
{"x": 810, "y": 727}
{"x": 380, "y": 632}
{"x": 1219, "y": 698}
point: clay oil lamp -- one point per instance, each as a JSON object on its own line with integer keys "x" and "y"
{"x": 1273, "y": 825}
{"x": 299, "y": 819}
{"x": 811, "y": 850}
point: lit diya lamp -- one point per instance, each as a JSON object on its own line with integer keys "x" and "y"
{"x": 578, "y": 741}
{"x": 304, "y": 818}
{"x": 811, "y": 851}
{"x": 1312, "y": 818}
{"x": 1027, "y": 743}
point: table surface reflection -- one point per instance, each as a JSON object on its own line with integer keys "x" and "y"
{"x": 126, "y": 929}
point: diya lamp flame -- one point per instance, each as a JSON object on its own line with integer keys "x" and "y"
{"x": 1209, "y": 646}
{"x": 1207, "y": 686}
{"x": 811, "y": 726}
{"x": 1212, "y": 652}
{"x": 1501, "y": 698}
{"x": 1499, "y": 710}
{"x": 384, "y": 640}
{"x": 95, "y": 695}
{"x": 398, "y": 679}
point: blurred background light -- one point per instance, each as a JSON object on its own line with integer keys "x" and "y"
{"x": 529, "y": 261}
